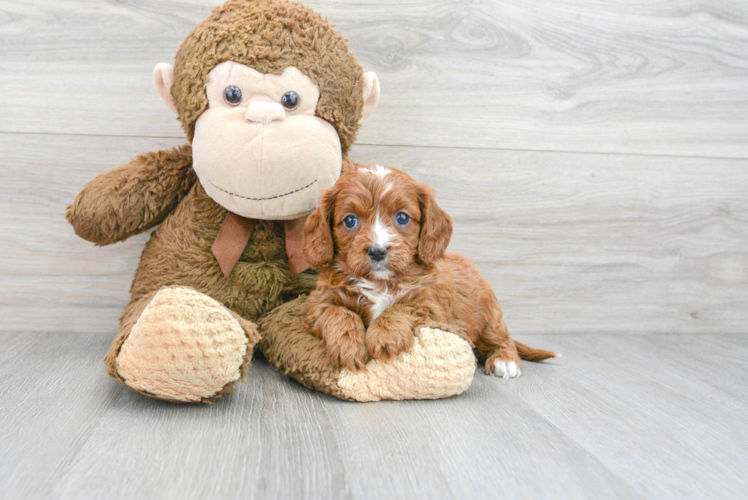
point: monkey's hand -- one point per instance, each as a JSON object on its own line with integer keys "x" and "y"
{"x": 132, "y": 198}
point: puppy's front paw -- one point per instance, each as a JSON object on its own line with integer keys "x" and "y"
{"x": 348, "y": 351}
{"x": 385, "y": 340}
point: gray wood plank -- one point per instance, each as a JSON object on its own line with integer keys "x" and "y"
{"x": 655, "y": 77}
{"x": 572, "y": 243}
{"x": 483, "y": 444}
{"x": 616, "y": 417}
{"x": 53, "y": 393}
{"x": 643, "y": 405}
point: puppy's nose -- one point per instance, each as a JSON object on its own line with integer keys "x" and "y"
{"x": 377, "y": 253}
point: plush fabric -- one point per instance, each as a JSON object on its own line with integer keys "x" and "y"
{"x": 299, "y": 170}
{"x": 440, "y": 364}
{"x": 269, "y": 36}
{"x": 132, "y": 198}
{"x": 189, "y": 330}
{"x": 281, "y": 165}
{"x": 184, "y": 347}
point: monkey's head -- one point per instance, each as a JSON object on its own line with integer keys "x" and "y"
{"x": 271, "y": 99}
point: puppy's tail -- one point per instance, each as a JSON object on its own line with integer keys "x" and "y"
{"x": 532, "y": 354}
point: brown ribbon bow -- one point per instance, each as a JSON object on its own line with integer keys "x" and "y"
{"x": 235, "y": 233}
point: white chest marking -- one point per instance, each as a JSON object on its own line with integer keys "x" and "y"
{"x": 380, "y": 300}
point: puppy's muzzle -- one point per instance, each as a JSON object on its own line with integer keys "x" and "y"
{"x": 377, "y": 253}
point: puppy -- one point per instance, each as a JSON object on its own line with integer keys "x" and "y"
{"x": 379, "y": 238}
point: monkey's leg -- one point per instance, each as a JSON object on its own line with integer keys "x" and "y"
{"x": 180, "y": 345}
{"x": 440, "y": 364}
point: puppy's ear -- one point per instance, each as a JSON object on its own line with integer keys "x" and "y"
{"x": 319, "y": 247}
{"x": 436, "y": 227}
{"x": 348, "y": 166}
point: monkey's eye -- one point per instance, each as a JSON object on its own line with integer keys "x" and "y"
{"x": 402, "y": 218}
{"x": 350, "y": 222}
{"x": 232, "y": 95}
{"x": 290, "y": 100}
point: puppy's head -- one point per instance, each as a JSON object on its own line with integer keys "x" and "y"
{"x": 375, "y": 223}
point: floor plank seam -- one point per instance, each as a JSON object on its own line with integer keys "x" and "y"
{"x": 414, "y": 146}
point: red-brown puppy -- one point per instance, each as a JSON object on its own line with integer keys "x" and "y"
{"x": 379, "y": 238}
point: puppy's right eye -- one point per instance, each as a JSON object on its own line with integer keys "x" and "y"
{"x": 402, "y": 218}
{"x": 350, "y": 222}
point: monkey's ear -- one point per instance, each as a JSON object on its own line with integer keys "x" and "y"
{"x": 436, "y": 227}
{"x": 371, "y": 94}
{"x": 319, "y": 247}
{"x": 163, "y": 78}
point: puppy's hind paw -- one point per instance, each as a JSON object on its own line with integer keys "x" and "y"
{"x": 506, "y": 369}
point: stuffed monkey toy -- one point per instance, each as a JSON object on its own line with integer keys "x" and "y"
{"x": 270, "y": 99}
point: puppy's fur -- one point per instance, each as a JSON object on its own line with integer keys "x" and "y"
{"x": 367, "y": 304}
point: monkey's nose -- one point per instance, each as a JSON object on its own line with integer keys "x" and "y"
{"x": 264, "y": 112}
{"x": 377, "y": 253}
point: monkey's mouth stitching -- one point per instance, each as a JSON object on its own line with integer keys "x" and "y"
{"x": 263, "y": 199}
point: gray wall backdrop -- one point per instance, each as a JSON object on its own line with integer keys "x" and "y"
{"x": 594, "y": 155}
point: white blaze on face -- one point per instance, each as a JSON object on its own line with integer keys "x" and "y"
{"x": 382, "y": 233}
{"x": 382, "y": 237}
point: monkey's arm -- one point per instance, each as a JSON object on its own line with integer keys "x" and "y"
{"x": 132, "y": 198}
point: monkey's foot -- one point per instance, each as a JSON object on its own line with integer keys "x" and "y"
{"x": 440, "y": 364}
{"x": 185, "y": 347}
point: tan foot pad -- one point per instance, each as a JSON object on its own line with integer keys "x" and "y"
{"x": 185, "y": 347}
{"x": 439, "y": 365}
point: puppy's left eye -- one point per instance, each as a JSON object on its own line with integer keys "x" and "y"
{"x": 350, "y": 222}
{"x": 402, "y": 218}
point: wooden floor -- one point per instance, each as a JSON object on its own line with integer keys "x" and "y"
{"x": 655, "y": 416}
{"x": 594, "y": 158}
